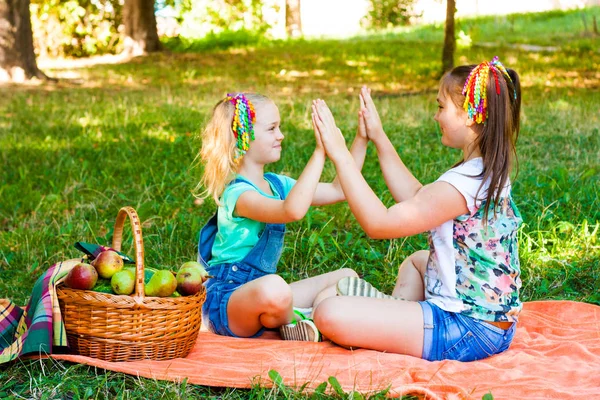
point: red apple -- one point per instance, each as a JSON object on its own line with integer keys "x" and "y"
{"x": 189, "y": 281}
{"x": 82, "y": 276}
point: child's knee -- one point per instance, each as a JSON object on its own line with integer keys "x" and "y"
{"x": 327, "y": 316}
{"x": 276, "y": 294}
{"x": 417, "y": 260}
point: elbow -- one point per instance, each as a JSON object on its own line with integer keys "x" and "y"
{"x": 371, "y": 229}
{"x": 375, "y": 235}
{"x": 293, "y": 215}
{"x": 379, "y": 229}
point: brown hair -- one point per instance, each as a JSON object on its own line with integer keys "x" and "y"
{"x": 498, "y": 135}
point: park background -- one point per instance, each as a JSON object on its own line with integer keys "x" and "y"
{"x": 110, "y": 122}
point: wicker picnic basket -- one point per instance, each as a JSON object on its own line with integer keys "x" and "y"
{"x": 126, "y": 328}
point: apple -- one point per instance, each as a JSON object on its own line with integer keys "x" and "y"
{"x": 108, "y": 263}
{"x": 162, "y": 284}
{"x": 198, "y": 266}
{"x": 123, "y": 282}
{"x": 83, "y": 276}
{"x": 189, "y": 280}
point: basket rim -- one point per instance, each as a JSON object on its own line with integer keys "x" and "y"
{"x": 111, "y": 300}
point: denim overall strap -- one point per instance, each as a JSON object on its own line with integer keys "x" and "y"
{"x": 274, "y": 180}
{"x": 266, "y": 253}
{"x": 208, "y": 233}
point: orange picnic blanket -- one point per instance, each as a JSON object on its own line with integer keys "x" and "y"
{"x": 555, "y": 355}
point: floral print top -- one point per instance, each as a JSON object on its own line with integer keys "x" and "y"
{"x": 471, "y": 269}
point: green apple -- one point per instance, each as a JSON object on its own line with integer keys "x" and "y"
{"x": 123, "y": 282}
{"x": 162, "y": 284}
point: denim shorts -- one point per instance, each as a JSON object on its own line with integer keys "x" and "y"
{"x": 453, "y": 336}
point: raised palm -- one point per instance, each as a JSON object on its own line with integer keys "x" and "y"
{"x": 373, "y": 126}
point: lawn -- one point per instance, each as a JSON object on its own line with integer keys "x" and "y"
{"x": 72, "y": 153}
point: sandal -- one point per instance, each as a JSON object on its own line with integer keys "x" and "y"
{"x": 302, "y": 329}
{"x": 355, "y": 286}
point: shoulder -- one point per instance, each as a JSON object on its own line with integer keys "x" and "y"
{"x": 237, "y": 187}
{"x": 469, "y": 170}
{"x": 466, "y": 178}
{"x": 232, "y": 193}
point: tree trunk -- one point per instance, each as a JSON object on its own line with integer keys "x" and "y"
{"x": 293, "y": 21}
{"x": 17, "y": 59}
{"x": 449, "y": 37}
{"x": 141, "y": 36}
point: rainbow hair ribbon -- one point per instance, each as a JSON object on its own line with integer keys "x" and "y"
{"x": 475, "y": 88}
{"x": 244, "y": 118}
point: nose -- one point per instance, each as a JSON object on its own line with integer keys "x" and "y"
{"x": 279, "y": 134}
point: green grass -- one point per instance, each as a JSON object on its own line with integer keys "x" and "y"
{"x": 571, "y": 30}
{"x": 72, "y": 154}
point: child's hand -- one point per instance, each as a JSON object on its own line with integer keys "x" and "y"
{"x": 362, "y": 127}
{"x": 373, "y": 124}
{"x": 319, "y": 147}
{"x": 331, "y": 136}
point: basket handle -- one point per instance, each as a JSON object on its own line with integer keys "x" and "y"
{"x": 136, "y": 227}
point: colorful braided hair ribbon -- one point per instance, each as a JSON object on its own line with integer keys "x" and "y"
{"x": 475, "y": 88}
{"x": 244, "y": 118}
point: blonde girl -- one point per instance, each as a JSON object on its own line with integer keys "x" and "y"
{"x": 242, "y": 243}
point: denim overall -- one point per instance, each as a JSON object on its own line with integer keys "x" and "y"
{"x": 226, "y": 278}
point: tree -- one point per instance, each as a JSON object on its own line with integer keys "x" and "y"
{"x": 140, "y": 27}
{"x": 449, "y": 37}
{"x": 386, "y": 13}
{"x": 293, "y": 21}
{"x": 17, "y": 59}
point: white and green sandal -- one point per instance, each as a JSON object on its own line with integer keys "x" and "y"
{"x": 302, "y": 329}
{"x": 354, "y": 286}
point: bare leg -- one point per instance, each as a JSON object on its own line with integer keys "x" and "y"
{"x": 380, "y": 324}
{"x": 307, "y": 290}
{"x": 266, "y": 301}
{"x": 410, "y": 282}
{"x": 323, "y": 294}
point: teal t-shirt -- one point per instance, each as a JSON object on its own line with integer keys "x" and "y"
{"x": 236, "y": 236}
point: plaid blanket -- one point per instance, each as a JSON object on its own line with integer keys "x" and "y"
{"x": 38, "y": 327}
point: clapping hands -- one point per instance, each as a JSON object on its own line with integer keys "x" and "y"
{"x": 330, "y": 138}
{"x": 326, "y": 130}
{"x": 369, "y": 116}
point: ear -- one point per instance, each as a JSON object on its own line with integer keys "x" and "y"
{"x": 470, "y": 123}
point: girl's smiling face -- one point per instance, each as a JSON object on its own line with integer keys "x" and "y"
{"x": 454, "y": 123}
{"x": 266, "y": 146}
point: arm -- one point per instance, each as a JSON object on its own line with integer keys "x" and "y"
{"x": 399, "y": 180}
{"x": 253, "y": 205}
{"x": 430, "y": 207}
{"x": 329, "y": 193}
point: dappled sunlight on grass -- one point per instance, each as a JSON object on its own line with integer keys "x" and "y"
{"x": 561, "y": 260}
{"x": 73, "y": 152}
{"x": 162, "y": 133}
{"x": 77, "y": 63}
